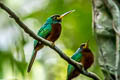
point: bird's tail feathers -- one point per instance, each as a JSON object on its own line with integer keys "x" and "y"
{"x": 33, "y": 58}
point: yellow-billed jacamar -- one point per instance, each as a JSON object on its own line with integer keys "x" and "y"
{"x": 50, "y": 31}
{"x": 82, "y": 55}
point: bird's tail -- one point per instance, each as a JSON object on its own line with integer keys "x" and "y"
{"x": 33, "y": 58}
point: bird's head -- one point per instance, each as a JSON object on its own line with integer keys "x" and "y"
{"x": 58, "y": 18}
{"x": 84, "y": 46}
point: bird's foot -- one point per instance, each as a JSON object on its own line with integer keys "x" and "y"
{"x": 53, "y": 44}
{"x": 85, "y": 71}
{"x": 82, "y": 67}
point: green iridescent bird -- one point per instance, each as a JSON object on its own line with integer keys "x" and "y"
{"x": 50, "y": 31}
{"x": 82, "y": 55}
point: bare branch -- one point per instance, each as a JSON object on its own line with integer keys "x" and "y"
{"x": 55, "y": 48}
{"x": 115, "y": 29}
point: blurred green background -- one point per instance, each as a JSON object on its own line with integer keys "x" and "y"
{"x": 16, "y": 46}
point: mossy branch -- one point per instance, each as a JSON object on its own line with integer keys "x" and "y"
{"x": 115, "y": 12}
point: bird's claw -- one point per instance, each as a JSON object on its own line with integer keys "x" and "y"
{"x": 81, "y": 64}
{"x": 82, "y": 67}
{"x": 52, "y": 43}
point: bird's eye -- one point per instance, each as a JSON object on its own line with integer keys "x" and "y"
{"x": 55, "y": 18}
{"x": 82, "y": 46}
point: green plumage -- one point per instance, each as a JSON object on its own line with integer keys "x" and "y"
{"x": 46, "y": 29}
{"x": 77, "y": 57}
{"x": 84, "y": 56}
{"x": 51, "y": 31}
{"x": 44, "y": 32}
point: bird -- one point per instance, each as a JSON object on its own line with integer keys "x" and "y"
{"x": 50, "y": 31}
{"x": 84, "y": 56}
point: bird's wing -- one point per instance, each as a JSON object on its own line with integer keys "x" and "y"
{"x": 77, "y": 57}
{"x": 43, "y": 32}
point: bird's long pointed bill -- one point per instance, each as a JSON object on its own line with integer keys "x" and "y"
{"x": 65, "y": 14}
{"x": 86, "y": 45}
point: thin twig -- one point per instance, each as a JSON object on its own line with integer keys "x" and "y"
{"x": 106, "y": 68}
{"x": 55, "y": 48}
{"x": 114, "y": 28}
{"x": 117, "y": 56}
{"x": 117, "y": 50}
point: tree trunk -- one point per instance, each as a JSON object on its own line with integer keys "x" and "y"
{"x": 106, "y": 27}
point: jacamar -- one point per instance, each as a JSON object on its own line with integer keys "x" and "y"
{"x": 51, "y": 31}
{"x": 84, "y": 56}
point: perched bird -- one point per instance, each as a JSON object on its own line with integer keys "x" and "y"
{"x": 50, "y": 31}
{"x": 82, "y": 55}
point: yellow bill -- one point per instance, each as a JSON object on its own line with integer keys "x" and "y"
{"x": 86, "y": 44}
{"x": 61, "y": 16}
